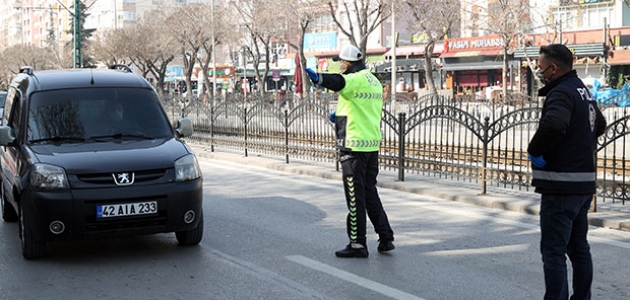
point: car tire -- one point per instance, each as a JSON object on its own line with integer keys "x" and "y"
{"x": 8, "y": 212}
{"x": 191, "y": 237}
{"x": 31, "y": 248}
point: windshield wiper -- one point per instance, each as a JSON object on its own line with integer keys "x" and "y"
{"x": 120, "y": 136}
{"x": 59, "y": 139}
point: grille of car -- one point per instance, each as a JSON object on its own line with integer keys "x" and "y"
{"x": 107, "y": 178}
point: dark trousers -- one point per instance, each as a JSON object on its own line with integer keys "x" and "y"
{"x": 360, "y": 170}
{"x": 563, "y": 227}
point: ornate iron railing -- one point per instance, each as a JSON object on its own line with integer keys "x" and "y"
{"x": 481, "y": 142}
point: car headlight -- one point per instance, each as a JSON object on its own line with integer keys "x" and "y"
{"x": 187, "y": 168}
{"x": 45, "y": 176}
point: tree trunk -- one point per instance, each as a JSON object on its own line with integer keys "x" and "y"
{"x": 428, "y": 66}
{"x": 505, "y": 72}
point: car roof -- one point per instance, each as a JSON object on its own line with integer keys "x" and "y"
{"x": 82, "y": 78}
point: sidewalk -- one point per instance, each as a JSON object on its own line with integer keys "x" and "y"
{"x": 615, "y": 216}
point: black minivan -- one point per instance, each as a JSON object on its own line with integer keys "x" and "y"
{"x": 90, "y": 153}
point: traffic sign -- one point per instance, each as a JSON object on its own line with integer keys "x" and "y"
{"x": 275, "y": 74}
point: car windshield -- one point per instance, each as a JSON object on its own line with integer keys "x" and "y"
{"x": 96, "y": 114}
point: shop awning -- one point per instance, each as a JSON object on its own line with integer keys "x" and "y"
{"x": 577, "y": 49}
{"x": 413, "y": 50}
{"x": 485, "y": 52}
{"x": 402, "y": 65}
{"x": 407, "y": 50}
{"x": 473, "y": 66}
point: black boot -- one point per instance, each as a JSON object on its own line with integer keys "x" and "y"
{"x": 385, "y": 245}
{"x": 353, "y": 250}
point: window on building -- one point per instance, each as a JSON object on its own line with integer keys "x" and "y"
{"x": 129, "y": 15}
{"x": 585, "y": 16}
{"x": 323, "y": 23}
{"x": 594, "y": 17}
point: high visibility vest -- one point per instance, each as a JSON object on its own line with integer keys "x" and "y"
{"x": 358, "y": 114}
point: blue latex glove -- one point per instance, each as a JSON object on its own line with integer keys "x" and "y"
{"x": 332, "y": 116}
{"x": 537, "y": 161}
{"x": 312, "y": 74}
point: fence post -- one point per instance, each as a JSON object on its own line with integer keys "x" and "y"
{"x": 286, "y": 135}
{"x": 484, "y": 164}
{"x": 212, "y": 107}
{"x": 245, "y": 127}
{"x": 401, "y": 146}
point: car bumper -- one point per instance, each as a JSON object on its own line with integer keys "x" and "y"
{"x": 77, "y": 210}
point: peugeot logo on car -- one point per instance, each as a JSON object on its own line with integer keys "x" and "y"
{"x": 123, "y": 178}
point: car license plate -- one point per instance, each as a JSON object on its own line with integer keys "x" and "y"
{"x": 127, "y": 209}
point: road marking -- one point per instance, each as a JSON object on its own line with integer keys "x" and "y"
{"x": 279, "y": 281}
{"x": 360, "y": 281}
{"x": 439, "y": 204}
{"x": 480, "y": 251}
{"x": 479, "y": 213}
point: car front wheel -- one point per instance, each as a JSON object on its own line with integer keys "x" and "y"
{"x": 193, "y": 236}
{"x": 31, "y": 248}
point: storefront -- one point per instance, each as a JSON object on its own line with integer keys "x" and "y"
{"x": 588, "y": 61}
{"x": 410, "y": 74}
{"x": 472, "y": 64}
{"x": 410, "y": 69}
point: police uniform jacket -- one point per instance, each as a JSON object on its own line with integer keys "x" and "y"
{"x": 567, "y": 134}
{"x": 359, "y": 108}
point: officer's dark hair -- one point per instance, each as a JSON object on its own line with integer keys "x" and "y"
{"x": 558, "y": 54}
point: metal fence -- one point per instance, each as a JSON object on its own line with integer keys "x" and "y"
{"x": 461, "y": 139}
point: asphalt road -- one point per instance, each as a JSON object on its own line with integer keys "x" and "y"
{"x": 272, "y": 235}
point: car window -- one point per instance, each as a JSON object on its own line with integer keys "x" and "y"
{"x": 3, "y": 97}
{"x": 78, "y": 114}
{"x": 11, "y": 111}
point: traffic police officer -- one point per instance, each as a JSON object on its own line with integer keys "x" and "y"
{"x": 358, "y": 137}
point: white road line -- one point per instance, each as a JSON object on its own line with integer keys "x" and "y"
{"x": 476, "y": 214}
{"x": 360, "y": 281}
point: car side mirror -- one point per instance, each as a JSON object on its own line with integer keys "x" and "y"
{"x": 7, "y": 136}
{"x": 184, "y": 127}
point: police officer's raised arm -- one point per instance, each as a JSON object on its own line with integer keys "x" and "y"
{"x": 334, "y": 82}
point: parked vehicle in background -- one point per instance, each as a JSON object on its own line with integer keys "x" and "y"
{"x": 90, "y": 153}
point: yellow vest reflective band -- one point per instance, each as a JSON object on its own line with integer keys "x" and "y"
{"x": 361, "y": 102}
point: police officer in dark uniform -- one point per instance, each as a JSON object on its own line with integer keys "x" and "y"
{"x": 357, "y": 125}
{"x": 563, "y": 152}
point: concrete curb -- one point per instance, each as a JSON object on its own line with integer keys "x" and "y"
{"x": 527, "y": 203}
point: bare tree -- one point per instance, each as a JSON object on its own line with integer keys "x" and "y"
{"x": 25, "y": 55}
{"x": 113, "y": 47}
{"x": 301, "y": 16}
{"x": 187, "y": 24}
{"x": 362, "y": 16}
{"x": 509, "y": 19}
{"x": 261, "y": 32}
{"x": 437, "y": 19}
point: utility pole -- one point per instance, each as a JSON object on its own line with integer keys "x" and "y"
{"x": 214, "y": 68}
{"x": 393, "y": 65}
{"x": 78, "y": 62}
{"x": 605, "y": 58}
